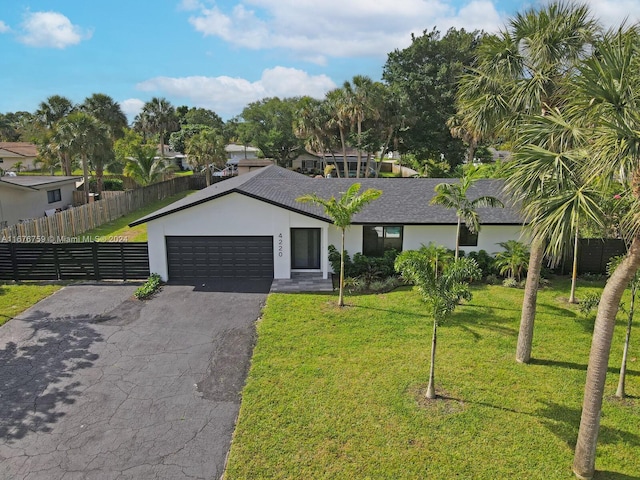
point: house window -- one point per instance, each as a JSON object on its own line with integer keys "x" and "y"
{"x": 467, "y": 239}
{"x": 376, "y": 240}
{"x": 305, "y": 248}
{"x": 54, "y": 195}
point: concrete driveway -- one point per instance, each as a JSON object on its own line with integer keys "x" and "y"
{"x": 96, "y": 384}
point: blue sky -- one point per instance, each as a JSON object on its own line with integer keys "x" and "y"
{"x": 221, "y": 54}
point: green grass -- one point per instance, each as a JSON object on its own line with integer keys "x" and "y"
{"x": 119, "y": 229}
{"x": 338, "y": 393}
{"x": 16, "y": 298}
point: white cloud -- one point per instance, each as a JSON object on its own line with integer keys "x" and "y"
{"x": 228, "y": 96}
{"x": 131, "y": 107}
{"x": 51, "y": 29}
{"x": 315, "y": 30}
{"x": 4, "y": 28}
{"x": 612, "y": 12}
{"x": 189, "y": 5}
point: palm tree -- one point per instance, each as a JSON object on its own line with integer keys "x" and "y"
{"x": 204, "y": 149}
{"x": 107, "y": 111}
{"x": 513, "y": 260}
{"x": 337, "y": 104}
{"x": 454, "y": 195}
{"x": 158, "y": 117}
{"x": 341, "y": 211}
{"x": 48, "y": 114}
{"x": 606, "y": 102}
{"x": 442, "y": 285}
{"x": 144, "y": 166}
{"x": 83, "y": 135}
{"x": 526, "y": 70}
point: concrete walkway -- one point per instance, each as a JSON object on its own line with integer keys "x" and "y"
{"x": 302, "y": 282}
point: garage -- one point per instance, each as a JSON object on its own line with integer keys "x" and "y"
{"x": 199, "y": 257}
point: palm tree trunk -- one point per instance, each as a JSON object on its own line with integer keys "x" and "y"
{"x": 457, "y": 239}
{"x": 431, "y": 389}
{"x": 85, "y": 174}
{"x": 344, "y": 154}
{"x": 341, "y": 297}
{"x": 620, "y": 392}
{"x": 574, "y": 272}
{"x": 99, "y": 178}
{"x": 207, "y": 175}
{"x": 359, "y": 164}
{"x": 585, "y": 455}
{"x": 525, "y": 336}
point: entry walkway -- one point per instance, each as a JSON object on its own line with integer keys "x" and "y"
{"x": 302, "y": 282}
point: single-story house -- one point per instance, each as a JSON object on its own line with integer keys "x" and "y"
{"x": 252, "y": 225}
{"x": 13, "y": 152}
{"x": 33, "y": 196}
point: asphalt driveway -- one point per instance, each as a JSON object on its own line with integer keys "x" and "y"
{"x": 96, "y": 384}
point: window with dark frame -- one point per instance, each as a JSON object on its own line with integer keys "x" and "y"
{"x": 378, "y": 239}
{"x": 467, "y": 239}
{"x": 54, "y": 195}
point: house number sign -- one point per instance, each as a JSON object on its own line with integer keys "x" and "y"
{"x": 280, "y": 245}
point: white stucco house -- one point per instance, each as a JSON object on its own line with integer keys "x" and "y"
{"x": 22, "y": 153}
{"x": 252, "y": 225}
{"x": 32, "y": 196}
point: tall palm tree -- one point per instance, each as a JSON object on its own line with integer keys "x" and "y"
{"x": 442, "y": 284}
{"x": 526, "y": 70}
{"x": 107, "y": 111}
{"x": 454, "y": 195}
{"x": 83, "y": 135}
{"x": 341, "y": 211}
{"x": 204, "y": 149}
{"x": 158, "y": 117}
{"x": 48, "y": 114}
{"x": 606, "y": 102}
{"x": 337, "y": 103}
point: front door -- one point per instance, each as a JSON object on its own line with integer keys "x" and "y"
{"x": 305, "y": 248}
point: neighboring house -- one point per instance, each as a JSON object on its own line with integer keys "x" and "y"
{"x": 252, "y": 225}
{"x": 246, "y": 165}
{"x": 236, "y": 152}
{"x": 178, "y": 159}
{"x": 33, "y": 196}
{"x": 14, "y": 152}
{"x": 308, "y": 162}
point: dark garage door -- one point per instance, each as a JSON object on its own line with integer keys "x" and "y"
{"x": 219, "y": 257}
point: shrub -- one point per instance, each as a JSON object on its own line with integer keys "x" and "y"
{"x": 108, "y": 184}
{"x": 492, "y": 279}
{"x": 510, "y": 282}
{"x": 513, "y": 260}
{"x": 484, "y": 261}
{"x": 365, "y": 269}
{"x": 151, "y": 286}
{"x": 590, "y": 301}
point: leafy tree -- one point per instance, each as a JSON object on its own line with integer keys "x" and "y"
{"x": 513, "y": 260}
{"x": 178, "y": 140}
{"x": 199, "y": 116}
{"x": 158, "y": 117}
{"x": 268, "y": 125}
{"x": 337, "y": 102}
{"x": 526, "y": 69}
{"x": 427, "y": 73}
{"x": 311, "y": 124}
{"x": 454, "y": 195}
{"x": 204, "y": 149}
{"x": 144, "y": 166}
{"x": 341, "y": 211}
{"x": 442, "y": 285}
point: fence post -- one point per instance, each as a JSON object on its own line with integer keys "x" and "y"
{"x": 56, "y": 260}
{"x": 96, "y": 265}
{"x": 124, "y": 264}
{"x": 14, "y": 261}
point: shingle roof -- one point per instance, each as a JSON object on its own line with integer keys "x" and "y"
{"x": 34, "y": 181}
{"x": 23, "y": 149}
{"x": 403, "y": 201}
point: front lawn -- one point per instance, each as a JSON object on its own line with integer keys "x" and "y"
{"x": 16, "y": 298}
{"x": 338, "y": 393}
{"x": 119, "y": 230}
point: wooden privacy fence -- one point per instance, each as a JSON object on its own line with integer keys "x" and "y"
{"x": 67, "y": 225}
{"x": 69, "y": 261}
